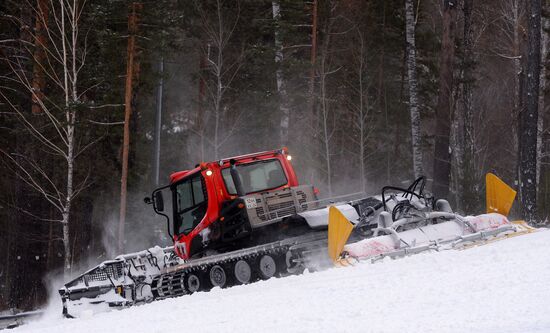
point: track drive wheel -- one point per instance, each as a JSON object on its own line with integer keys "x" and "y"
{"x": 193, "y": 282}
{"x": 268, "y": 267}
{"x": 242, "y": 272}
{"x": 218, "y": 278}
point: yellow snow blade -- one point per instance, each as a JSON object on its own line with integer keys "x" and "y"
{"x": 339, "y": 229}
{"x": 500, "y": 196}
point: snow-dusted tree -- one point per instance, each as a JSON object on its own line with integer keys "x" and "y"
{"x": 509, "y": 41}
{"x": 284, "y": 108}
{"x": 221, "y": 68}
{"x": 416, "y": 130}
{"x": 468, "y": 80}
{"x": 529, "y": 115}
{"x": 59, "y": 54}
{"x": 326, "y": 109}
{"x": 509, "y": 46}
{"x": 543, "y": 107}
{"x": 313, "y": 57}
{"x": 359, "y": 106}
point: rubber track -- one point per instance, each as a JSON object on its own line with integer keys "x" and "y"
{"x": 173, "y": 284}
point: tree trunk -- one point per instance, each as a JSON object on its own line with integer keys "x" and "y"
{"x": 518, "y": 82}
{"x": 284, "y": 109}
{"x": 468, "y": 191}
{"x": 529, "y": 115}
{"x": 442, "y": 155}
{"x": 38, "y": 77}
{"x": 324, "y": 103}
{"x": 200, "y": 103}
{"x": 325, "y": 110}
{"x": 381, "y": 98}
{"x": 66, "y": 215}
{"x": 132, "y": 29}
{"x": 158, "y": 124}
{"x": 362, "y": 114}
{"x": 313, "y": 60}
{"x": 542, "y": 107}
{"x": 219, "y": 84}
{"x": 416, "y": 134}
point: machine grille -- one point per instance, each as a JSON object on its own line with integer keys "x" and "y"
{"x": 271, "y": 207}
{"x": 102, "y": 274}
{"x": 261, "y": 214}
{"x": 302, "y": 199}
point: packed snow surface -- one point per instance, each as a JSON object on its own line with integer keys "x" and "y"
{"x": 499, "y": 287}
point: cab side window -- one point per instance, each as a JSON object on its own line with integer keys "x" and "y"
{"x": 191, "y": 204}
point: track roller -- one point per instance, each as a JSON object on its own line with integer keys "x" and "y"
{"x": 242, "y": 272}
{"x": 193, "y": 282}
{"x": 218, "y": 278}
{"x": 268, "y": 268}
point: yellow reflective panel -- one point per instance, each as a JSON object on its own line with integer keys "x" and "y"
{"x": 500, "y": 196}
{"x": 339, "y": 229}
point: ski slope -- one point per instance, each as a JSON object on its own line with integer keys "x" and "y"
{"x": 500, "y": 287}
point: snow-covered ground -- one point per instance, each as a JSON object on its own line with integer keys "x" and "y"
{"x": 500, "y": 287}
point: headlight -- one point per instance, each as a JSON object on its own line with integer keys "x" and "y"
{"x": 288, "y": 157}
{"x": 209, "y": 173}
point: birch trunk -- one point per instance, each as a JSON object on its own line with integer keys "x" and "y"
{"x": 325, "y": 107}
{"x": 416, "y": 135}
{"x": 325, "y": 126}
{"x": 71, "y": 99}
{"x": 66, "y": 206}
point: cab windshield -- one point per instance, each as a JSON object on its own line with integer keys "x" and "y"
{"x": 257, "y": 176}
{"x": 191, "y": 203}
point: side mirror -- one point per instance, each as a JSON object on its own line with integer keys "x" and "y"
{"x": 159, "y": 201}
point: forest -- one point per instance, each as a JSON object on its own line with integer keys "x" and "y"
{"x": 101, "y": 100}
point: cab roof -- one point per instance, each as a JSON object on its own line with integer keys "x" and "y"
{"x": 224, "y": 162}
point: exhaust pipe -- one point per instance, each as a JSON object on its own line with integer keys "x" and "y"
{"x": 236, "y": 178}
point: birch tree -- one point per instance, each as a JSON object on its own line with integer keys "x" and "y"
{"x": 416, "y": 131}
{"x": 61, "y": 60}
{"x": 359, "y": 106}
{"x": 325, "y": 70}
{"x": 219, "y": 73}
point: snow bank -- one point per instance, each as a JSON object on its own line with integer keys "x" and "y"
{"x": 499, "y": 287}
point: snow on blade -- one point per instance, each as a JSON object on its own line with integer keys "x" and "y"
{"x": 498, "y": 287}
